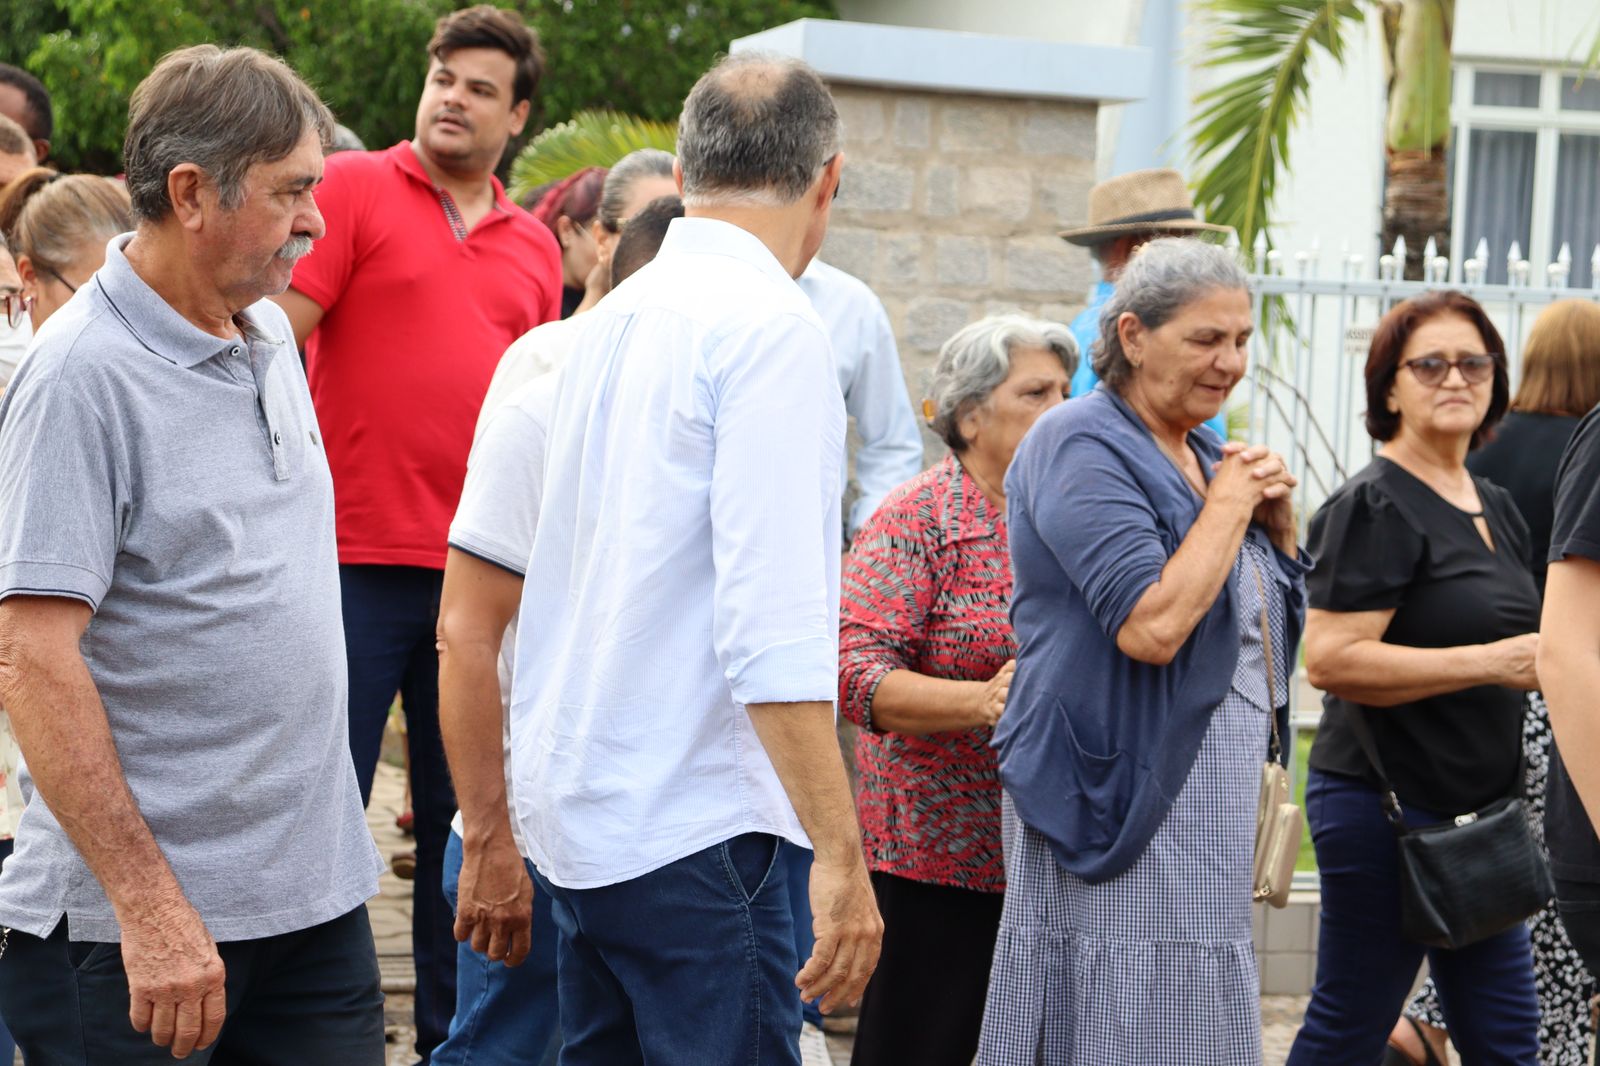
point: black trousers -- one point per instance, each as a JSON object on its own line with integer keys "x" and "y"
{"x": 924, "y": 1004}
{"x": 308, "y": 998}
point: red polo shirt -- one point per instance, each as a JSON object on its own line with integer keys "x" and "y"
{"x": 416, "y": 315}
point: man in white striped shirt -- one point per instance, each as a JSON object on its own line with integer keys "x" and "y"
{"x": 676, "y": 656}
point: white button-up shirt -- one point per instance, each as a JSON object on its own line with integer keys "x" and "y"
{"x": 873, "y": 385}
{"x": 686, "y": 563}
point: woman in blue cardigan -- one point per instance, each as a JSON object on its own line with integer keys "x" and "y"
{"x": 1159, "y": 597}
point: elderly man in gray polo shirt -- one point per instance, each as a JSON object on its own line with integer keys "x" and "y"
{"x": 193, "y": 861}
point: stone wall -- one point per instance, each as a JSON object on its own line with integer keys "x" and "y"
{"x": 949, "y": 208}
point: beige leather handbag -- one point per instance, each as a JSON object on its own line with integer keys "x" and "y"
{"x": 1277, "y": 819}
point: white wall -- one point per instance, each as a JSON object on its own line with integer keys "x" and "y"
{"x": 1076, "y": 21}
{"x": 1540, "y": 31}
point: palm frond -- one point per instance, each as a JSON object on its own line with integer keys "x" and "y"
{"x": 1240, "y": 129}
{"x": 1591, "y": 62}
{"x": 588, "y": 139}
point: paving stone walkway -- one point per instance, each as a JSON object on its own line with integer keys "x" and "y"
{"x": 391, "y": 929}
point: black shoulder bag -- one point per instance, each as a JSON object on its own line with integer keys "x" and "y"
{"x": 1466, "y": 879}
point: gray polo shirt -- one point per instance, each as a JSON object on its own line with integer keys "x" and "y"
{"x": 176, "y": 483}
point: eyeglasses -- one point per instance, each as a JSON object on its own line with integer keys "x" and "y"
{"x": 16, "y": 306}
{"x": 53, "y": 272}
{"x": 1432, "y": 370}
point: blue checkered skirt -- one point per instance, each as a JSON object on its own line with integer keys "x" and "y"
{"x": 1155, "y": 965}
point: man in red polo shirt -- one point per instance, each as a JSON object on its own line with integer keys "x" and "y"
{"x": 426, "y": 276}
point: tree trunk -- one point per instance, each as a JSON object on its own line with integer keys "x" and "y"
{"x": 1416, "y": 203}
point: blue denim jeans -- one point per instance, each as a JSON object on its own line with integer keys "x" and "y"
{"x": 692, "y": 964}
{"x": 505, "y": 1015}
{"x": 1366, "y": 966}
{"x": 798, "y": 860}
{"x": 390, "y": 617}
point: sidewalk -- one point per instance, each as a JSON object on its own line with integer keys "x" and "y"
{"x": 391, "y": 929}
{"x": 391, "y": 916}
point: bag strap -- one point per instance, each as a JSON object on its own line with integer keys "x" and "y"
{"x": 1276, "y": 749}
{"x": 1369, "y": 745}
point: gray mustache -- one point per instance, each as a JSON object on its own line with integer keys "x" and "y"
{"x": 295, "y": 248}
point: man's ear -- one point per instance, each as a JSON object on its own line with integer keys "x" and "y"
{"x": 191, "y": 195}
{"x": 41, "y": 151}
{"x": 828, "y": 187}
{"x": 519, "y": 117}
{"x": 677, "y": 174}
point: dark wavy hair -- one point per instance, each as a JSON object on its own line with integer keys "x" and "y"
{"x": 487, "y": 26}
{"x": 1389, "y": 341}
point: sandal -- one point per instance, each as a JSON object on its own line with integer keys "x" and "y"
{"x": 1395, "y": 1056}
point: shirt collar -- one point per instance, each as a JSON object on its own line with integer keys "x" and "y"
{"x": 712, "y": 236}
{"x": 156, "y": 324}
{"x": 405, "y": 157}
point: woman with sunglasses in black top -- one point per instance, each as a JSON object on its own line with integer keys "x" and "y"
{"x": 1423, "y": 622}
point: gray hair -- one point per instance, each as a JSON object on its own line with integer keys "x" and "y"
{"x": 1162, "y": 278}
{"x": 977, "y": 359}
{"x": 756, "y": 129}
{"x": 224, "y": 110}
{"x": 620, "y": 179}
{"x": 344, "y": 139}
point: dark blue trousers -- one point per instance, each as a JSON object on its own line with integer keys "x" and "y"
{"x": 307, "y": 998}
{"x": 8, "y": 1047}
{"x": 390, "y": 617}
{"x": 1366, "y": 966}
{"x": 692, "y": 964}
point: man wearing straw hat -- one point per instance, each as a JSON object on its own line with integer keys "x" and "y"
{"x": 1124, "y": 213}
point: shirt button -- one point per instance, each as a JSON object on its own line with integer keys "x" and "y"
{"x": 277, "y": 438}
{"x": 235, "y": 351}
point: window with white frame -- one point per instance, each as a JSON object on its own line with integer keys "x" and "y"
{"x": 1525, "y": 167}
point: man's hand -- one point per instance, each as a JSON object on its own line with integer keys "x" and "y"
{"x": 849, "y": 935}
{"x": 799, "y": 738}
{"x": 175, "y": 978}
{"x": 494, "y": 902}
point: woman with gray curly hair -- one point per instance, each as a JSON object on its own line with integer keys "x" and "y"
{"x": 1157, "y": 603}
{"x": 925, "y": 650}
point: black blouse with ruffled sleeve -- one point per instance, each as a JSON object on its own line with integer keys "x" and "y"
{"x": 1386, "y": 540}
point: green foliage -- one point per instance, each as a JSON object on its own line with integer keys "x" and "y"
{"x": 642, "y": 56}
{"x": 1241, "y": 128}
{"x": 366, "y": 57}
{"x": 587, "y": 139}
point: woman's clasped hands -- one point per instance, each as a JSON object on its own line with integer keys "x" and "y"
{"x": 1256, "y": 480}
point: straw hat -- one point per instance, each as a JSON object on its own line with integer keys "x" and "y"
{"x": 1145, "y": 201}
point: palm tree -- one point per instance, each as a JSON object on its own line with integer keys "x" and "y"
{"x": 588, "y": 139}
{"x": 1241, "y": 128}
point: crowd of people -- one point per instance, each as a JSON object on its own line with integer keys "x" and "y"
{"x": 620, "y": 490}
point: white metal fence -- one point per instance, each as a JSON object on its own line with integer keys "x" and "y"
{"x": 1305, "y": 396}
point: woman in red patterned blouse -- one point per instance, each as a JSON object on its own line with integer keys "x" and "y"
{"x": 925, "y": 648}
